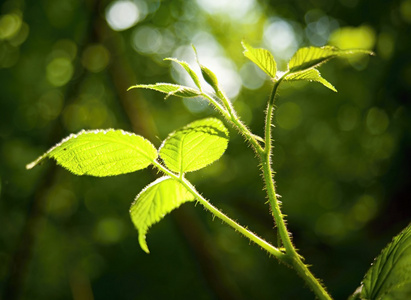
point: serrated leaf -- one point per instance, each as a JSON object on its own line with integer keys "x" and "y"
{"x": 262, "y": 58}
{"x": 312, "y": 57}
{"x": 390, "y": 275}
{"x": 194, "y": 146}
{"x": 101, "y": 153}
{"x": 310, "y": 75}
{"x": 189, "y": 70}
{"x": 170, "y": 89}
{"x": 154, "y": 202}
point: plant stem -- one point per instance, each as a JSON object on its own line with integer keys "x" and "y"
{"x": 291, "y": 252}
{"x": 236, "y": 122}
{"x": 216, "y": 212}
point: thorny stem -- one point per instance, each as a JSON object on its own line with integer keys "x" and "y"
{"x": 290, "y": 256}
{"x": 231, "y": 116}
{"x": 291, "y": 251}
{"x": 244, "y": 231}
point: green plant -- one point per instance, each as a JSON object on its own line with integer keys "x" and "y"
{"x": 113, "y": 152}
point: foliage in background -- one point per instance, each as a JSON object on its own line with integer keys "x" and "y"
{"x": 66, "y": 66}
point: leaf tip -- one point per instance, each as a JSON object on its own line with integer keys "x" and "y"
{"x": 143, "y": 243}
{"x": 35, "y": 162}
{"x": 31, "y": 165}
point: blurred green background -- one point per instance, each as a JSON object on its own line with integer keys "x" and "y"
{"x": 342, "y": 159}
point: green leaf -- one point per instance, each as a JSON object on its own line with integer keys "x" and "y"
{"x": 194, "y": 146}
{"x": 312, "y": 57}
{"x": 189, "y": 70}
{"x": 170, "y": 89}
{"x": 262, "y": 58}
{"x": 154, "y": 202}
{"x": 310, "y": 75}
{"x": 209, "y": 76}
{"x": 390, "y": 275}
{"x": 101, "y": 153}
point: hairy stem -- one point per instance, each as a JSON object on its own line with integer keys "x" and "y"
{"x": 216, "y": 212}
{"x": 291, "y": 252}
{"x": 236, "y": 122}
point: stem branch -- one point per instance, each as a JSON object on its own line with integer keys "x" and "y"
{"x": 244, "y": 231}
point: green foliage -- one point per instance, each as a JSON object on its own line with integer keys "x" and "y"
{"x": 200, "y": 143}
{"x": 101, "y": 153}
{"x": 312, "y": 57}
{"x": 210, "y": 78}
{"x": 194, "y": 146}
{"x": 310, "y": 75}
{"x": 113, "y": 152}
{"x": 390, "y": 275}
{"x": 189, "y": 70}
{"x": 170, "y": 89}
{"x": 262, "y": 58}
{"x": 154, "y": 202}
{"x": 304, "y": 62}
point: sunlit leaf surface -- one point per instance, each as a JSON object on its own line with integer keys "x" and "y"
{"x": 262, "y": 58}
{"x": 101, "y": 153}
{"x": 312, "y": 57}
{"x": 189, "y": 70}
{"x": 194, "y": 146}
{"x": 170, "y": 89}
{"x": 310, "y": 75}
{"x": 154, "y": 202}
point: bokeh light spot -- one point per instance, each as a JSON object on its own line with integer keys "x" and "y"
{"x": 109, "y": 231}
{"x": 377, "y": 121}
{"x": 122, "y": 15}
{"x": 319, "y": 26}
{"x": 252, "y": 76}
{"x": 147, "y": 39}
{"x": 281, "y": 39}
{"x": 405, "y": 10}
{"x": 230, "y": 8}
{"x": 211, "y": 55}
{"x": 59, "y": 71}
{"x": 362, "y": 37}
{"x": 9, "y": 26}
{"x": 65, "y": 48}
{"x": 362, "y": 211}
{"x": 95, "y": 58}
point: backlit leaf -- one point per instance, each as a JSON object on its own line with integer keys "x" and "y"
{"x": 154, "y": 202}
{"x": 309, "y": 75}
{"x": 390, "y": 275}
{"x": 210, "y": 78}
{"x": 170, "y": 89}
{"x": 189, "y": 70}
{"x": 312, "y": 57}
{"x": 262, "y": 58}
{"x": 101, "y": 153}
{"x": 194, "y": 146}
